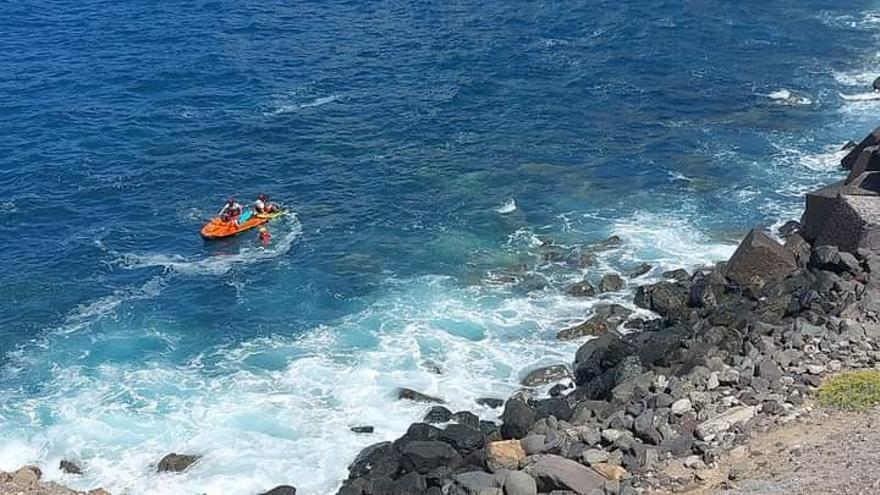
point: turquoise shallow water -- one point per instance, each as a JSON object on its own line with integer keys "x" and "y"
{"x": 427, "y": 150}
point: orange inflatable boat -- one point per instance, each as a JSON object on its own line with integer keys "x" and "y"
{"x": 217, "y": 228}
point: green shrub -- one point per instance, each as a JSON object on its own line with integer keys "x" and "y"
{"x": 854, "y": 390}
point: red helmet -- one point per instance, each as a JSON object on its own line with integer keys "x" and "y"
{"x": 263, "y": 197}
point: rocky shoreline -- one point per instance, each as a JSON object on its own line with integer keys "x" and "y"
{"x": 737, "y": 348}
{"x": 651, "y": 404}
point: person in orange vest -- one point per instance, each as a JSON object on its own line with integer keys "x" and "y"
{"x": 264, "y": 236}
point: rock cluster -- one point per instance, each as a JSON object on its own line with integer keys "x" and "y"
{"x": 736, "y": 347}
{"x": 27, "y": 480}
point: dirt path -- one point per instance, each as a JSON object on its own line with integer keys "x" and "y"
{"x": 824, "y": 452}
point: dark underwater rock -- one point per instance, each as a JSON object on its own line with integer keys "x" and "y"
{"x": 175, "y": 463}
{"x": 410, "y": 394}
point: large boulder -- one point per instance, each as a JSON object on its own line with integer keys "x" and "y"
{"x": 668, "y": 299}
{"x": 599, "y": 355}
{"x": 872, "y": 139}
{"x": 463, "y": 438}
{"x": 552, "y": 472}
{"x": 424, "y": 456}
{"x": 377, "y": 460}
{"x": 867, "y": 161}
{"x": 820, "y": 203}
{"x": 759, "y": 260}
{"x": 517, "y": 418}
{"x": 853, "y": 224}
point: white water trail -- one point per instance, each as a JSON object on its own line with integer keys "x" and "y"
{"x": 219, "y": 264}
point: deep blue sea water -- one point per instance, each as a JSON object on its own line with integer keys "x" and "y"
{"x": 402, "y": 135}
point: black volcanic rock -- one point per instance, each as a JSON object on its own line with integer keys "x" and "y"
{"x": 176, "y": 463}
{"x": 424, "y": 456}
{"x": 517, "y": 418}
{"x": 410, "y": 394}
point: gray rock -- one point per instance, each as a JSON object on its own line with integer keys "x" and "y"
{"x": 639, "y": 270}
{"x": 872, "y": 139}
{"x": 712, "y": 381}
{"x": 533, "y": 444}
{"x": 722, "y": 422}
{"x": 545, "y": 375}
{"x": 519, "y": 483}
{"x": 769, "y": 370}
{"x": 591, "y": 436}
{"x": 681, "y": 406}
{"x": 362, "y": 429}
{"x": 867, "y": 161}
{"x": 643, "y": 427}
{"x": 759, "y": 260}
{"x": 176, "y": 463}
{"x": 474, "y": 481}
{"x": 610, "y": 282}
{"x": 820, "y": 204}
{"x": 854, "y": 222}
{"x": 557, "y": 473}
{"x": 410, "y": 394}
{"x": 594, "y": 456}
{"x": 582, "y": 289}
{"x": 849, "y": 263}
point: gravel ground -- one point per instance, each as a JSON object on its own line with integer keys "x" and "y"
{"x": 822, "y": 453}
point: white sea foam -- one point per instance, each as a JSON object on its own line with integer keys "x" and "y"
{"x": 669, "y": 241}
{"x": 88, "y": 313}
{"x": 293, "y": 107}
{"x": 861, "y": 96}
{"x": 508, "y": 206}
{"x": 247, "y": 406}
{"x": 119, "y": 419}
{"x": 787, "y": 97}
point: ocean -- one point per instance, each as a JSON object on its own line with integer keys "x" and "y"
{"x": 446, "y": 163}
